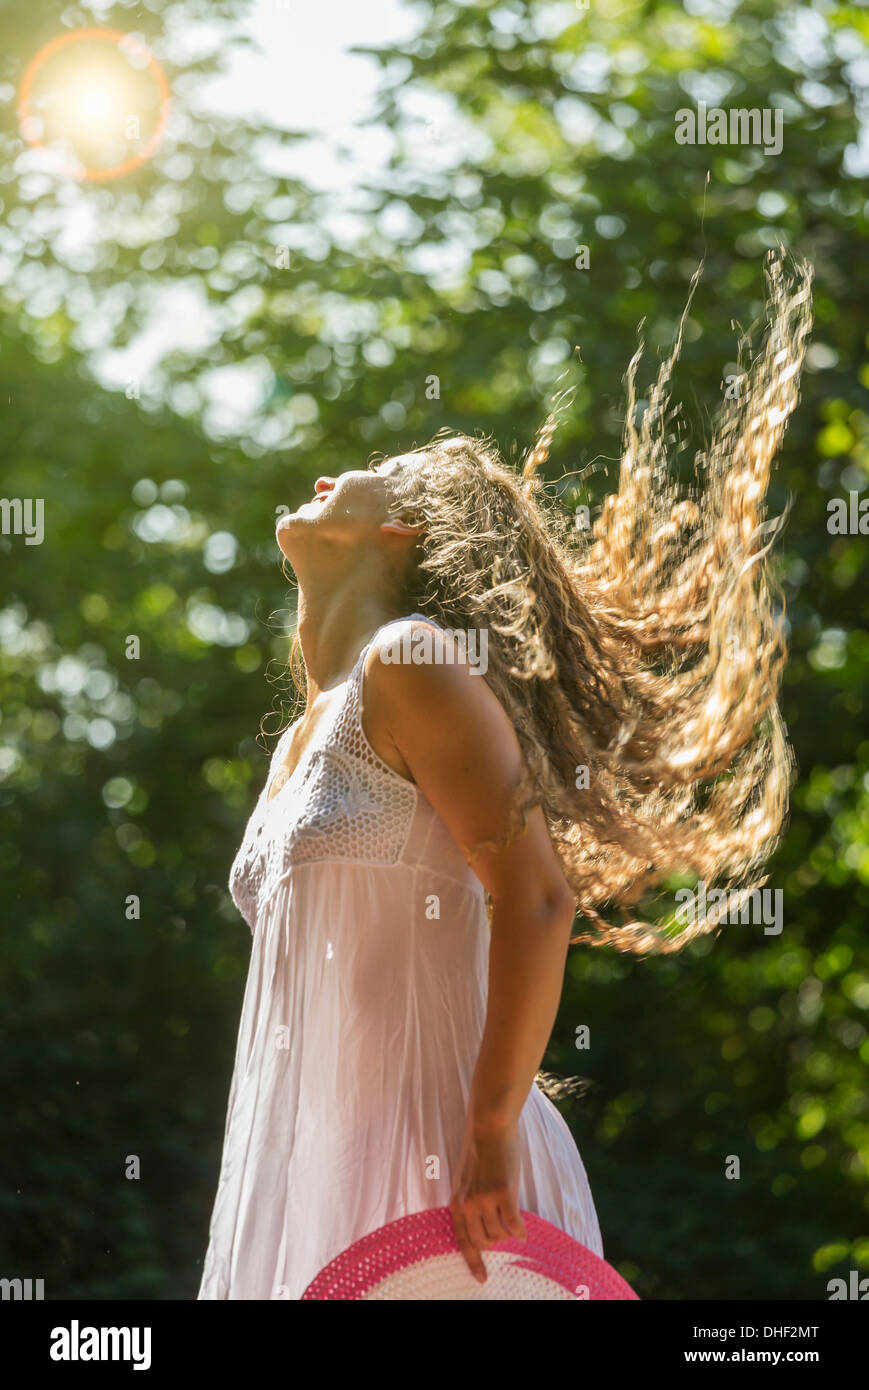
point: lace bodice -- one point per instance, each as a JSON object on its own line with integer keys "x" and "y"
{"x": 341, "y": 803}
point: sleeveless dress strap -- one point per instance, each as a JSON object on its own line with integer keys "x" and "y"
{"x": 349, "y": 733}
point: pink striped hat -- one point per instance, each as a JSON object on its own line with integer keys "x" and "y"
{"x": 418, "y": 1257}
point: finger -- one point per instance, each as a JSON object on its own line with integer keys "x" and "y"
{"x": 490, "y": 1219}
{"x": 471, "y": 1255}
{"x": 476, "y": 1229}
{"x": 511, "y": 1219}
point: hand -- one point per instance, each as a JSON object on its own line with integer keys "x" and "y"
{"x": 484, "y": 1200}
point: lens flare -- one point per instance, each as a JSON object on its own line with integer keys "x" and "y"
{"x": 96, "y": 103}
{"x": 83, "y": 102}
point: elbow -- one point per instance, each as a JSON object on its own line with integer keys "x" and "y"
{"x": 562, "y": 910}
{"x": 547, "y": 909}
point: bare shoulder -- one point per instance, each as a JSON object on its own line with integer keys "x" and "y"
{"x": 416, "y": 667}
{"x": 430, "y": 697}
{"x": 456, "y": 739}
{"x": 393, "y": 682}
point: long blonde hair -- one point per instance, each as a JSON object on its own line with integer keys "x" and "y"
{"x": 642, "y": 656}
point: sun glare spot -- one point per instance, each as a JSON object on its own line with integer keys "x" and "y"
{"x": 95, "y": 101}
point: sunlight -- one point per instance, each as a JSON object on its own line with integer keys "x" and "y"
{"x": 95, "y": 101}
{"x": 88, "y": 101}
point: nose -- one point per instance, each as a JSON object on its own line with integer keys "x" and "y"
{"x": 324, "y": 485}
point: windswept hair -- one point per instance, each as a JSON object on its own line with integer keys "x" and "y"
{"x": 647, "y": 649}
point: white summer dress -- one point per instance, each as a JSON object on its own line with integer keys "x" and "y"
{"x": 362, "y": 1018}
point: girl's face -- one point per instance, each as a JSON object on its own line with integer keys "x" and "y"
{"x": 354, "y": 507}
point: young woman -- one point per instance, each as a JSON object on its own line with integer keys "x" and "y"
{"x": 428, "y": 830}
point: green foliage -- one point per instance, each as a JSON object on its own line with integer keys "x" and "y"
{"x": 134, "y": 776}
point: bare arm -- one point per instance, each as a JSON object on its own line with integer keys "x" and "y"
{"x": 461, "y": 748}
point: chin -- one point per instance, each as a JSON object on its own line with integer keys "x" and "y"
{"x": 283, "y": 531}
{"x": 292, "y": 520}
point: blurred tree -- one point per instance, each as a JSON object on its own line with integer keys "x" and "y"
{"x": 536, "y": 200}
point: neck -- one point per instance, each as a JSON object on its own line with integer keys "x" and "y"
{"x": 334, "y": 625}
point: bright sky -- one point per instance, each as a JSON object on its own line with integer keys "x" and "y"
{"x": 304, "y": 78}
{"x": 298, "y": 74}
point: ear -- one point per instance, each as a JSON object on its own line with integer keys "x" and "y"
{"x": 401, "y": 528}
